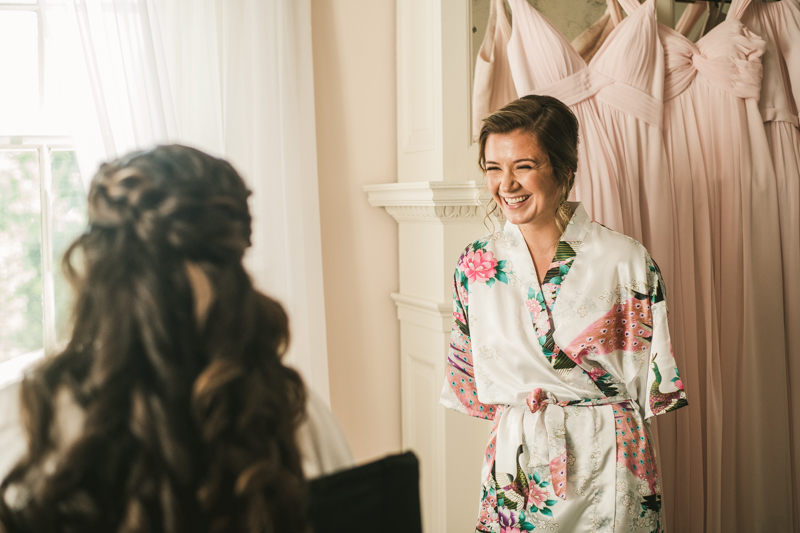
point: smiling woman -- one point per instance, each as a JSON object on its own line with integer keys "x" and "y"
{"x": 560, "y": 336}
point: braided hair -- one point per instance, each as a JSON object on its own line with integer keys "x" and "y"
{"x": 189, "y": 424}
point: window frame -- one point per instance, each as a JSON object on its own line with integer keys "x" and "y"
{"x": 44, "y": 145}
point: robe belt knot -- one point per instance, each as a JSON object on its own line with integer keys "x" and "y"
{"x": 554, "y": 416}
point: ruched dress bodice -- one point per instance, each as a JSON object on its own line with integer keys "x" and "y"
{"x": 728, "y": 58}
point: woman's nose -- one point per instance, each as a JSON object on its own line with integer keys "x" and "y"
{"x": 508, "y": 181}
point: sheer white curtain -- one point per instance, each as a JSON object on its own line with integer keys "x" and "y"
{"x": 233, "y": 78}
{"x": 111, "y": 72}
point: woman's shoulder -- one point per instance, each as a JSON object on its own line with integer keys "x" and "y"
{"x": 622, "y": 245}
{"x": 493, "y": 243}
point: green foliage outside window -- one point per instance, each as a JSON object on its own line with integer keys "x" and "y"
{"x": 21, "y": 277}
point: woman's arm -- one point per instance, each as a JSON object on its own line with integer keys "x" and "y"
{"x": 658, "y": 384}
{"x": 460, "y": 388}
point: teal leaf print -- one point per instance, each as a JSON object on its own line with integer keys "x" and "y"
{"x": 547, "y": 512}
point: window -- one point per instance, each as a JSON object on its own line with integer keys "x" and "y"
{"x": 42, "y": 197}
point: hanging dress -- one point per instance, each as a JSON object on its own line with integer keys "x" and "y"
{"x": 778, "y": 23}
{"x": 570, "y": 370}
{"x": 622, "y": 175}
{"x": 732, "y": 452}
{"x": 492, "y": 84}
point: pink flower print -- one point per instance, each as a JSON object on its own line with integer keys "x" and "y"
{"x": 540, "y": 319}
{"x": 479, "y": 266}
{"x": 549, "y": 291}
{"x": 679, "y": 384}
{"x": 537, "y": 496}
{"x": 542, "y": 323}
{"x": 458, "y": 315}
{"x": 510, "y": 530}
{"x": 597, "y": 373}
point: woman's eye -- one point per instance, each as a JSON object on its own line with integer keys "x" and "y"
{"x": 524, "y": 167}
{"x": 491, "y": 168}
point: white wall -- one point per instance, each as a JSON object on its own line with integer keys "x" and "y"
{"x": 356, "y": 112}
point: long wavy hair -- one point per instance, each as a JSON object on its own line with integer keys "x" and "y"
{"x": 189, "y": 425}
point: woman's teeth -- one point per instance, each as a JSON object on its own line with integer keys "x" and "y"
{"x": 517, "y": 200}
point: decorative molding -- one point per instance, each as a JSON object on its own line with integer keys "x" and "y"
{"x": 445, "y": 215}
{"x": 428, "y": 314}
{"x": 426, "y": 202}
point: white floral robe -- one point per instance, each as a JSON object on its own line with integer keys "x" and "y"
{"x": 569, "y": 372}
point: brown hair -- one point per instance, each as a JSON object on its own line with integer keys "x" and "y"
{"x": 188, "y": 427}
{"x": 555, "y": 129}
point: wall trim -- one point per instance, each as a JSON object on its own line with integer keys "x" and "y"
{"x": 428, "y": 314}
{"x": 426, "y": 202}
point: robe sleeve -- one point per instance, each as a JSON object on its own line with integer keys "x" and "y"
{"x": 460, "y": 388}
{"x": 657, "y": 385}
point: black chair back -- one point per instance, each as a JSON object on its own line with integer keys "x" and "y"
{"x": 379, "y": 496}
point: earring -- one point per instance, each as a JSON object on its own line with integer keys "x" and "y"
{"x": 565, "y": 211}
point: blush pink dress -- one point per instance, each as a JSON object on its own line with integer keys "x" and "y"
{"x": 778, "y": 23}
{"x": 622, "y": 177}
{"x": 732, "y": 451}
{"x": 492, "y": 84}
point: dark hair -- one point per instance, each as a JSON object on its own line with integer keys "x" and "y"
{"x": 555, "y": 129}
{"x": 188, "y": 426}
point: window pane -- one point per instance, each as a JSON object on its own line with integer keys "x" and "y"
{"x": 21, "y": 308}
{"x": 19, "y": 70}
{"x": 69, "y": 220}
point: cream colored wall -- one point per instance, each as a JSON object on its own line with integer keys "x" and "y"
{"x": 356, "y": 112}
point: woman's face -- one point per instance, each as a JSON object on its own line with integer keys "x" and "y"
{"x": 520, "y": 178}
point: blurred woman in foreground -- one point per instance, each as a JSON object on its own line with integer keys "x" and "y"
{"x": 170, "y": 409}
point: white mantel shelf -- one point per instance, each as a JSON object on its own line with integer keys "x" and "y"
{"x": 424, "y": 193}
{"x": 430, "y": 201}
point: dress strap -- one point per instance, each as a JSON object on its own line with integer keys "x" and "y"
{"x": 629, "y": 5}
{"x": 690, "y": 16}
{"x": 615, "y": 11}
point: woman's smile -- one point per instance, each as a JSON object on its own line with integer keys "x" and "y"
{"x": 515, "y": 202}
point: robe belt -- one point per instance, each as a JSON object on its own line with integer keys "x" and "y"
{"x": 554, "y": 416}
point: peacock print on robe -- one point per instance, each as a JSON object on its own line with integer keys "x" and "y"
{"x": 570, "y": 370}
